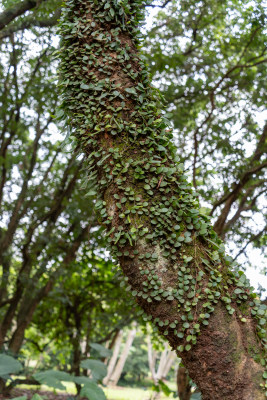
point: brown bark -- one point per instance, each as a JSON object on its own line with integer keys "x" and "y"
{"x": 18, "y": 336}
{"x": 31, "y": 251}
{"x": 29, "y": 304}
{"x": 183, "y": 384}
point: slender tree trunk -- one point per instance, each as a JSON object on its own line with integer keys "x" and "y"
{"x": 151, "y": 358}
{"x": 114, "y": 379}
{"x": 183, "y": 384}
{"x": 114, "y": 357}
{"x": 162, "y": 362}
{"x": 172, "y": 356}
{"x": 174, "y": 262}
{"x": 166, "y": 360}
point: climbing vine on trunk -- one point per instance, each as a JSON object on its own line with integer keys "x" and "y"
{"x": 173, "y": 262}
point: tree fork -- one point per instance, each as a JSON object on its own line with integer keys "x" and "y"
{"x": 172, "y": 260}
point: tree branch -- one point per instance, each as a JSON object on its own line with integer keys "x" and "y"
{"x": 16, "y": 10}
{"x": 158, "y": 6}
{"x": 30, "y": 22}
{"x": 252, "y": 239}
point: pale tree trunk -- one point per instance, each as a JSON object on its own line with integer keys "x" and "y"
{"x": 165, "y": 363}
{"x": 172, "y": 356}
{"x": 152, "y": 355}
{"x": 174, "y": 262}
{"x": 125, "y": 352}
{"x": 162, "y": 362}
{"x": 114, "y": 357}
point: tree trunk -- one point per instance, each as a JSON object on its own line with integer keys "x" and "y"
{"x": 166, "y": 360}
{"x": 162, "y": 363}
{"x": 114, "y": 379}
{"x": 114, "y": 357}
{"x": 172, "y": 356}
{"x": 183, "y": 384}
{"x": 174, "y": 262}
{"x": 151, "y": 358}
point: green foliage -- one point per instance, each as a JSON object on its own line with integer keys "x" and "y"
{"x": 101, "y": 350}
{"x": 93, "y": 392}
{"x": 90, "y": 388}
{"x": 162, "y": 387}
{"x": 87, "y": 284}
{"x": 97, "y": 368}
{"x": 36, "y": 396}
{"x": 9, "y": 365}
{"x": 52, "y": 202}
{"x": 196, "y": 396}
{"x": 53, "y": 378}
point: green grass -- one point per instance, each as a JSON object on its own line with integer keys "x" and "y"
{"x": 130, "y": 394}
{"x": 116, "y": 393}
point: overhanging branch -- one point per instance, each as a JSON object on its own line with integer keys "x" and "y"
{"x": 30, "y": 22}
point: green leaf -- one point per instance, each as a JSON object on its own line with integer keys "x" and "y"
{"x": 238, "y": 291}
{"x": 84, "y": 86}
{"x": 36, "y": 396}
{"x": 93, "y": 392}
{"x": 91, "y": 192}
{"x": 97, "y": 368}
{"x": 102, "y": 351}
{"x": 9, "y": 365}
{"x": 196, "y": 396}
{"x": 131, "y": 90}
{"x": 20, "y": 398}
{"x": 59, "y": 113}
{"x": 53, "y": 378}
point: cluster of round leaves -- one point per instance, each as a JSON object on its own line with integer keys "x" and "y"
{"x": 144, "y": 198}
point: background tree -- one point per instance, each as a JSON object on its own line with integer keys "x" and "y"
{"x": 89, "y": 306}
{"x": 44, "y": 220}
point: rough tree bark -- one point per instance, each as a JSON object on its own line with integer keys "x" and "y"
{"x": 173, "y": 261}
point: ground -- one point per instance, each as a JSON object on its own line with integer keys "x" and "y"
{"x": 118, "y": 393}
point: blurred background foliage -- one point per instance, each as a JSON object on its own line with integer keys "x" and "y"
{"x": 58, "y": 290}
